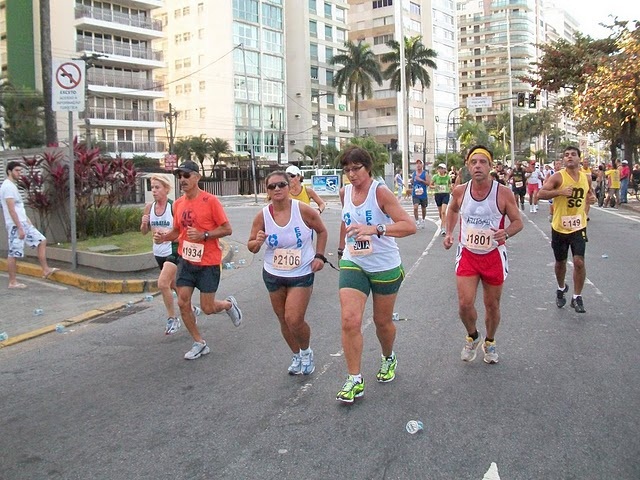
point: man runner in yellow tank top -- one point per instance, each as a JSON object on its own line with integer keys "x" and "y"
{"x": 571, "y": 191}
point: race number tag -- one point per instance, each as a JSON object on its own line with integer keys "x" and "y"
{"x": 286, "y": 258}
{"x": 479, "y": 239}
{"x": 572, "y": 222}
{"x": 441, "y": 188}
{"x": 419, "y": 191}
{"x": 192, "y": 252}
{"x": 519, "y": 184}
{"x": 360, "y": 248}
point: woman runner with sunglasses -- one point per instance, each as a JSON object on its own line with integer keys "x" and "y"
{"x": 298, "y": 191}
{"x": 287, "y": 228}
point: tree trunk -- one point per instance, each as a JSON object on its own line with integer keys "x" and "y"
{"x": 356, "y": 118}
{"x": 51, "y": 133}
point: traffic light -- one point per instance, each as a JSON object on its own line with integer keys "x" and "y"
{"x": 532, "y": 100}
{"x": 521, "y": 99}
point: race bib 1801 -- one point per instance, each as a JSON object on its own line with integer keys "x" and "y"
{"x": 479, "y": 239}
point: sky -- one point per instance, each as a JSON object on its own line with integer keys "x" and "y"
{"x": 591, "y": 12}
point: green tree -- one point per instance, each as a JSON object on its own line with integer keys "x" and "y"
{"x": 377, "y": 151}
{"x": 219, "y": 146}
{"x": 200, "y": 148}
{"x": 359, "y": 69}
{"x": 24, "y": 116}
{"x": 417, "y": 59}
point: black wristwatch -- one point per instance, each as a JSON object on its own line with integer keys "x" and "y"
{"x": 206, "y": 236}
{"x": 381, "y": 230}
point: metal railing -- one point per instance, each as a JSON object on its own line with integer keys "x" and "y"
{"x": 131, "y": 147}
{"x": 118, "y": 17}
{"x": 118, "y": 48}
{"x": 106, "y": 78}
{"x": 124, "y": 114}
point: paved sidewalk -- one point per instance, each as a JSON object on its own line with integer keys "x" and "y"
{"x": 70, "y": 297}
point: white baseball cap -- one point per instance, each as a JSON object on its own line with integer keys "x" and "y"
{"x": 442, "y": 165}
{"x": 293, "y": 170}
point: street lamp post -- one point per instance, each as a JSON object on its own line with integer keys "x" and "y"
{"x": 512, "y": 146}
{"x": 319, "y": 125}
{"x": 446, "y": 144}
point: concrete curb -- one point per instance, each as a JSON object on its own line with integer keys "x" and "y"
{"x": 97, "y": 285}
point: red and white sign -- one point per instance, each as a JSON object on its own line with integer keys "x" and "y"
{"x": 67, "y": 87}
{"x": 170, "y": 162}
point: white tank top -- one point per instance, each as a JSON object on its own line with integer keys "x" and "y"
{"x": 477, "y": 218}
{"x": 385, "y": 254}
{"x": 290, "y": 249}
{"x": 163, "y": 222}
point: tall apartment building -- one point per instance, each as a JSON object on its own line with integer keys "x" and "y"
{"x": 485, "y": 66}
{"x": 226, "y": 71}
{"x": 117, "y": 36}
{"x": 316, "y": 30}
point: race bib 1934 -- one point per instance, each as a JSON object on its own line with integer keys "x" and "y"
{"x": 192, "y": 252}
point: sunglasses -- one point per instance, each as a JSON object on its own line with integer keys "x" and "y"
{"x": 272, "y": 186}
{"x": 293, "y": 175}
{"x": 183, "y": 175}
{"x": 355, "y": 168}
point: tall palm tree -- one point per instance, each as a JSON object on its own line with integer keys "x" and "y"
{"x": 201, "y": 148}
{"x": 417, "y": 58}
{"x": 359, "y": 68}
{"x": 219, "y": 146}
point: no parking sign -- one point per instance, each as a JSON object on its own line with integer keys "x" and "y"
{"x": 67, "y": 87}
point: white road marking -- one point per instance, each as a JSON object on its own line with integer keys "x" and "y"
{"x": 492, "y": 473}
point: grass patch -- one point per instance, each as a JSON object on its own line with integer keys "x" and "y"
{"x": 130, "y": 243}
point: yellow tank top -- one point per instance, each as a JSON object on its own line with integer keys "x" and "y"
{"x": 569, "y": 212}
{"x": 303, "y": 196}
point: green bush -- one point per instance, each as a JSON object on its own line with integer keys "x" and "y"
{"x": 104, "y": 221}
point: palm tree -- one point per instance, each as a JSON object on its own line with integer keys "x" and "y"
{"x": 359, "y": 68}
{"x": 182, "y": 148}
{"x": 201, "y": 148}
{"x": 417, "y": 58}
{"x": 307, "y": 152}
{"x": 218, "y": 147}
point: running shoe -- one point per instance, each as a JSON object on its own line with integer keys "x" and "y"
{"x": 387, "y": 370}
{"x": 350, "y": 390}
{"x": 577, "y": 304}
{"x": 173, "y": 325}
{"x": 490, "y": 352}
{"x": 307, "y": 364}
{"x": 296, "y": 365}
{"x": 560, "y": 300}
{"x": 196, "y": 310}
{"x": 470, "y": 349}
{"x": 235, "y": 314}
{"x": 197, "y": 350}
{"x": 443, "y": 232}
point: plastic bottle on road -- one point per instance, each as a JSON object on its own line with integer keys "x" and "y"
{"x": 3, "y": 336}
{"x": 37, "y": 312}
{"x": 148, "y": 298}
{"x": 414, "y": 426}
{"x": 60, "y": 328}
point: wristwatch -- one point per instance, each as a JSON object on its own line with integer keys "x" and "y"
{"x": 206, "y": 236}
{"x": 381, "y": 230}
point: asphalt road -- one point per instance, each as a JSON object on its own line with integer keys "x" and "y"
{"x": 115, "y": 400}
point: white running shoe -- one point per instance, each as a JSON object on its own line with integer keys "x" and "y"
{"x": 235, "y": 314}
{"x": 307, "y": 364}
{"x": 173, "y": 325}
{"x": 197, "y": 350}
{"x": 196, "y": 310}
{"x": 470, "y": 348}
{"x": 296, "y": 365}
{"x": 490, "y": 352}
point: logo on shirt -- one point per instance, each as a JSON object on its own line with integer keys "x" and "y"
{"x": 272, "y": 240}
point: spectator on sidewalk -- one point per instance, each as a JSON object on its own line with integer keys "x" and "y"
{"x": 298, "y": 190}
{"x": 625, "y": 175}
{"x": 19, "y": 227}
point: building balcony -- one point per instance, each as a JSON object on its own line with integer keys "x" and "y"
{"x": 121, "y": 53}
{"x": 102, "y": 17}
{"x": 122, "y": 146}
{"x": 124, "y": 115}
{"x": 107, "y": 79}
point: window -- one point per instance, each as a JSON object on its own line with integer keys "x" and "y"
{"x": 414, "y": 25}
{"x": 331, "y": 99}
{"x": 186, "y": 36}
{"x": 202, "y": 85}
{"x": 245, "y": 10}
{"x": 252, "y": 62}
{"x": 200, "y": 33}
{"x": 340, "y": 35}
{"x": 328, "y": 32}
{"x": 272, "y": 92}
{"x": 186, "y": 62}
{"x": 382, "y": 3}
{"x": 414, "y": 8}
{"x": 200, "y": 8}
{"x": 272, "y": 16}
{"x": 245, "y": 34}
{"x": 313, "y": 7}
{"x": 241, "y": 88}
{"x": 313, "y": 28}
{"x": 185, "y": 11}
{"x": 416, "y": 112}
{"x": 178, "y": 89}
{"x": 272, "y": 41}
{"x": 313, "y": 51}
{"x": 340, "y": 16}
{"x": 178, "y": 64}
{"x": 328, "y": 51}
{"x": 329, "y": 76}
{"x": 417, "y": 130}
{"x": 177, "y": 13}
{"x": 382, "y": 21}
{"x": 314, "y": 73}
{"x": 327, "y": 10}
{"x": 178, "y": 39}
{"x": 125, "y": 135}
{"x": 203, "y": 112}
{"x": 186, "y": 114}
{"x": 382, "y": 39}
{"x": 272, "y": 67}
{"x": 187, "y": 87}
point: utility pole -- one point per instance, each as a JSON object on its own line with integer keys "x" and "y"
{"x": 171, "y": 121}
{"x": 319, "y": 134}
{"x": 50, "y": 128}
